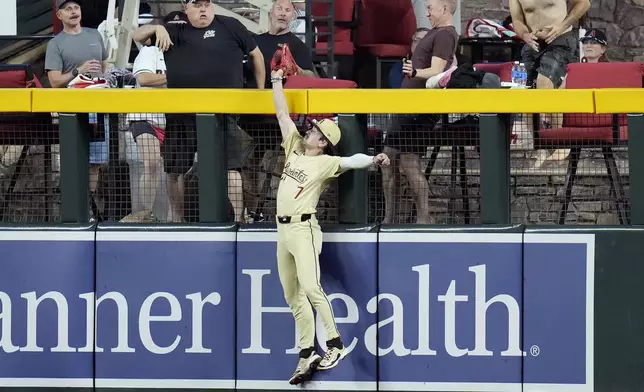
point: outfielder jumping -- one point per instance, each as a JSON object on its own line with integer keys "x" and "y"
{"x": 307, "y": 171}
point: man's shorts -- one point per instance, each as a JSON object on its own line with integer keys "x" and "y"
{"x": 410, "y": 133}
{"x": 180, "y": 145}
{"x": 551, "y": 60}
{"x": 138, "y": 128}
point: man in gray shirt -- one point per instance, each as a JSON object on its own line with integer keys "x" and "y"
{"x": 78, "y": 50}
{"x": 75, "y": 50}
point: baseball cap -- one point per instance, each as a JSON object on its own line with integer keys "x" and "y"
{"x": 329, "y": 129}
{"x": 196, "y": 1}
{"x": 61, "y": 3}
{"x": 175, "y": 16}
{"x": 595, "y": 35}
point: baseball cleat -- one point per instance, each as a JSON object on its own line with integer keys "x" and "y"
{"x": 332, "y": 358}
{"x": 305, "y": 368}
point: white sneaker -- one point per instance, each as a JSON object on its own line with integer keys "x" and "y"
{"x": 332, "y": 358}
{"x": 305, "y": 368}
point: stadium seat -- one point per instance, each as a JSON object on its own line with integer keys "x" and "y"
{"x": 302, "y": 82}
{"x": 603, "y": 131}
{"x": 385, "y": 31}
{"x": 345, "y": 21}
{"x": 502, "y": 70}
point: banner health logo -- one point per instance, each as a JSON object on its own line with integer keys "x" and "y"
{"x": 418, "y": 311}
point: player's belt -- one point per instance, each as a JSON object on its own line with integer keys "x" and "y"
{"x": 294, "y": 219}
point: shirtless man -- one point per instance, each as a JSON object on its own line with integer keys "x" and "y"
{"x": 546, "y": 28}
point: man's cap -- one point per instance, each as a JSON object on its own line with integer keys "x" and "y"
{"x": 595, "y": 35}
{"x": 61, "y": 3}
{"x": 175, "y": 16}
{"x": 329, "y": 129}
{"x": 196, "y": 1}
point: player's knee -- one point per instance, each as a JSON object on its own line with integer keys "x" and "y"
{"x": 291, "y": 298}
{"x": 312, "y": 291}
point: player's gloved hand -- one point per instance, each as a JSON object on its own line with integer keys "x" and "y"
{"x": 381, "y": 160}
{"x": 283, "y": 59}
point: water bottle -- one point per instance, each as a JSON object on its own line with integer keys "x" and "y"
{"x": 524, "y": 75}
{"x": 515, "y": 73}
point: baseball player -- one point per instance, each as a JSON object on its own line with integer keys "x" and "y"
{"x": 307, "y": 171}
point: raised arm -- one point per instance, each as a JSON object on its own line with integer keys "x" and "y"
{"x": 287, "y": 126}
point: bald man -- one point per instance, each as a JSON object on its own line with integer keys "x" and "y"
{"x": 406, "y": 136}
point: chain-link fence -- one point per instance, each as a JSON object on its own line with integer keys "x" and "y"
{"x": 434, "y": 175}
{"x": 29, "y": 168}
{"x": 569, "y": 169}
{"x": 152, "y": 173}
{"x": 263, "y": 169}
{"x": 144, "y": 168}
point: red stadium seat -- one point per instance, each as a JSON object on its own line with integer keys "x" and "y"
{"x": 502, "y": 70}
{"x": 593, "y": 130}
{"x": 385, "y": 31}
{"x": 302, "y": 82}
{"x": 344, "y": 17}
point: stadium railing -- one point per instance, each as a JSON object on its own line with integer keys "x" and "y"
{"x": 484, "y": 172}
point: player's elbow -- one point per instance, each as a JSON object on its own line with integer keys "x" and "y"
{"x": 55, "y": 79}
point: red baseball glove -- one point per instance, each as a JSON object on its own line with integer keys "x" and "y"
{"x": 283, "y": 59}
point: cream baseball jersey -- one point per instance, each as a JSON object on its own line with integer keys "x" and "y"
{"x": 304, "y": 178}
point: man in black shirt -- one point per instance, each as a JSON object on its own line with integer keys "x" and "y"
{"x": 207, "y": 52}
{"x": 282, "y": 14}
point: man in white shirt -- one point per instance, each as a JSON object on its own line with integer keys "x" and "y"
{"x": 148, "y": 129}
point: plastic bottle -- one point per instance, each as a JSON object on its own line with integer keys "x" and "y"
{"x": 524, "y": 75}
{"x": 515, "y": 73}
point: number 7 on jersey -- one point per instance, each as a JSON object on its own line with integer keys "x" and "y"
{"x": 299, "y": 191}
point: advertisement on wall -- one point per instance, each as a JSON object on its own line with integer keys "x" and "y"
{"x": 205, "y": 309}
{"x": 265, "y": 327}
{"x": 46, "y": 295}
{"x": 484, "y": 312}
{"x": 165, "y": 309}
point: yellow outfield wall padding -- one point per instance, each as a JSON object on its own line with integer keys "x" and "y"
{"x": 608, "y": 101}
{"x": 15, "y": 100}
{"x": 450, "y": 101}
{"x": 163, "y": 101}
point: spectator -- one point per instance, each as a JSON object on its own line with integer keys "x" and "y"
{"x": 75, "y": 50}
{"x": 432, "y": 55}
{"x": 396, "y": 74}
{"x": 207, "y": 52}
{"x": 148, "y": 129}
{"x": 594, "y": 44}
{"x": 550, "y": 42}
{"x": 78, "y": 50}
{"x": 279, "y": 32}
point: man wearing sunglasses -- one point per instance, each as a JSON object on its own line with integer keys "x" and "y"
{"x": 308, "y": 170}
